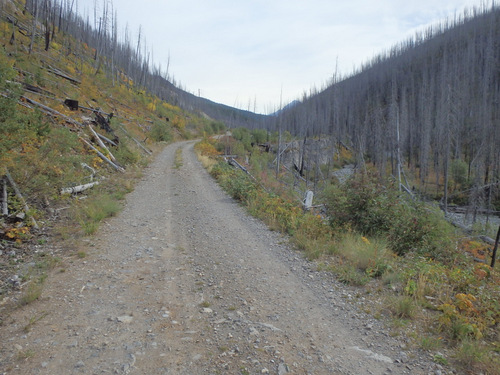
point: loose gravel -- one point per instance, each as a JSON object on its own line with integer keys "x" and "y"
{"x": 183, "y": 281}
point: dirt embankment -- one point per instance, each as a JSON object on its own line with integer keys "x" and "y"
{"x": 184, "y": 282}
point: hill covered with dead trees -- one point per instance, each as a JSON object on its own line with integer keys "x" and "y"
{"x": 81, "y": 113}
{"x": 428, "y": 108}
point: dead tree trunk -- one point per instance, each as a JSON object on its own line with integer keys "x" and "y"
{"x": 494, "y": 255}
{"x": 21, "y": 198}
{"x": 5, "y": 206}
{"x": 79, "y": 188}
{"x": 148, "y": 152}
{"x": 103, "y": 157}
{"x": 101, "y": 143}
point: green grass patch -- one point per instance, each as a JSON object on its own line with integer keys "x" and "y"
{"x": 33, "y": 320}
{"x": 32, "y": 292}
{"x": 178, "y": 158}
{"x": 97, "y": 209}
{"x": 403, "y": 307}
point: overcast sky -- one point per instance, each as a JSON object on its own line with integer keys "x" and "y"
{"x": 255, "y": 53}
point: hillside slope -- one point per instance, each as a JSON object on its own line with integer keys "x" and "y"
{"x": 74, "y": 136}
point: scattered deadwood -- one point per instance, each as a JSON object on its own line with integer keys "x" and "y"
{"x": 149, "y": 152}
{"x": 32, "y": 88}
{"x": 24, "y": 72}
{"x": 121, "y": 104}
{"x": 103, "y": 157}
{"x": 107, "y": 140}
{"x": 467, "y": 230}
{"x": 104, "y": 122}
{"x": 21, "y": 27}
{"x": 62, "y": 74}
{"x": 478, "y": 210}
{"x": 79, "y": 188}
{"x": 37, "y": 90}
{"x": 94, "y": 110}
{"x": 101, "y": 143}
{"x": 21, "y": 198}
{"x": 234, "y": 163}
{"x": 51, "y": 111}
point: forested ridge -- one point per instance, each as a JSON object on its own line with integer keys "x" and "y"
{"x": 117, "y": 53}
{"x": 440, "y": 90}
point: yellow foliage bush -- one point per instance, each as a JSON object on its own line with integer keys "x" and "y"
{"x": 151, "y": 106}
{"x": 17, "y": 233}
{"x": 170, "y": 107}
{"x": 55, "y": 46}
{"x": 206, "y": 148}
{"x": 179, "y": 122}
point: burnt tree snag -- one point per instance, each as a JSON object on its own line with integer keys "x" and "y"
{"x": 71, "y": 104}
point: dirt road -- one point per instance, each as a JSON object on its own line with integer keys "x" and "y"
{"x": 184, "y": 282}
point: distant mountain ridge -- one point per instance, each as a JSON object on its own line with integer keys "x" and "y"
{"x": 290, "y": 105}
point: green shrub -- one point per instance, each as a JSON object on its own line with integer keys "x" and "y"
{"x": 377, "y": 210}
{"x": 160, "y": 132}
{"x": 234, "y": 181}
{"x": 368, "y": 256}
{"x": 363, "y": 203}
{"x": 125, "y": 155}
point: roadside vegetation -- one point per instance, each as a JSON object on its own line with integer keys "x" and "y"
{"x": 411, "y": 265}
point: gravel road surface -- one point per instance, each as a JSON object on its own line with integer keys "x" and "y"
{"x": 183, "y": 281}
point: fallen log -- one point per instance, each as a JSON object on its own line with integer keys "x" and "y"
{"x": 467, "y": 230}
{"x": 234, "y": 163}
{"x": 62, "y": 74}
{"x": 103, "y": 157}
{"x": 32, "y": 88}
{"x": 37, "y": 90}
{"x": 85, "y": 165}
{"x": 79, "y": 188}
{"x": 136, "y": 141}
{"x": 107, "y": 140}
{"x": 21, "y": 198}
{"x": 93, "y": 110}
{"x": 101, "y": 143}
{"x": 231, "y": 161}
{"x": 52, "y": 111}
